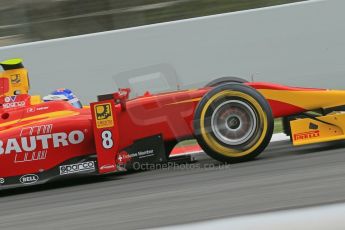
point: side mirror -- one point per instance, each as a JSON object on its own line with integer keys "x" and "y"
{"x": 122, "y": 96}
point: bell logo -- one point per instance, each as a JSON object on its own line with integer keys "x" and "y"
{"x": 29, "y": 179}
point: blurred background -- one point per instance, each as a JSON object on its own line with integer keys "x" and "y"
{"x": 35, "y": 20}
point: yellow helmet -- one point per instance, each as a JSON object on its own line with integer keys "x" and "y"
{"x": 14, "y": 79}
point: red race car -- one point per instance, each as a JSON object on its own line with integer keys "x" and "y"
{"x": 231, "y": 119}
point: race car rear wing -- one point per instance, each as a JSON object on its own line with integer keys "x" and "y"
{"x": 106, "y": 134}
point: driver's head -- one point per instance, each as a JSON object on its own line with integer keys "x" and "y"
{"x": 63, "y": 95}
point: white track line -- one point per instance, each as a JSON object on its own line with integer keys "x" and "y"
{"x": 311, "y": 218}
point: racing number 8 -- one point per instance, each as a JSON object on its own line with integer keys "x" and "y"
{"x": 107, "y": 141}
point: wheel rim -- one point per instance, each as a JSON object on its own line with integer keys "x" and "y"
{"x": 233, "y": 122}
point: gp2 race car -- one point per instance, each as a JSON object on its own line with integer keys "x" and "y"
{"x": 231, "y": 119}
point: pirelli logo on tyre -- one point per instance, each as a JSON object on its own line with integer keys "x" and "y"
{"x": 104, "y": 116}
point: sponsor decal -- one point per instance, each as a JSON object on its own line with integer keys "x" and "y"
{"x": 142, "y": 154}
{"x": 33, "y": 155}
{"x": 9, "y": 99}
{"x": 36, "y": 130}
{"x": 123, "y": 158}
{"x": 88, "y": 166}
{"x": 11, "y": 102}
{"x": 30, "y": 156}
{"x": 42, "y": 142}
{"x": 42, "y": 108}
{"x": 306, "y": 135}
{"x": 29, "y": 179}
{"x": 2, "y": 180}
{"x": 34, "y": 109}
{"x": 31, "y": 110}
{"x": 107, "y": 167}
{"x": 15, "y": 80}
{"x": 104, "y": 116}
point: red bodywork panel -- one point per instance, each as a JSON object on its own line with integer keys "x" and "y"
{"x": 280, "y": 108}
{"x": 36, "y": 138}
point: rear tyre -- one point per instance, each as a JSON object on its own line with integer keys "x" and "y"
{"x": 233, "y": 123}
{"x": 224, "y": 80}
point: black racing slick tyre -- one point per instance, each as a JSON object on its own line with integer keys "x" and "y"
{"x": 233, "y": 123}
{"x": 224, "y": 80}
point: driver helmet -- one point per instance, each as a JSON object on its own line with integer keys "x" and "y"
{"x": 63, "y": 95}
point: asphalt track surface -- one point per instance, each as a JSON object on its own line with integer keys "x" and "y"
{"x": 281, "y": 178}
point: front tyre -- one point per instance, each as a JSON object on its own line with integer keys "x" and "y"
{"x": 225, "y": 80}
{"x": 233, "y": 123}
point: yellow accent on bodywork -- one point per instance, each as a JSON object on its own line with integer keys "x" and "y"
{"x": 18, "y": 81}
{"x": 45, "y": 116}
{"x": 35, "y": 99}
{"x": 308, "y": 99}
{"x": 328, "y": 128}
{"x": 213, "y": 144}
{"x": 186, "y": 101}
